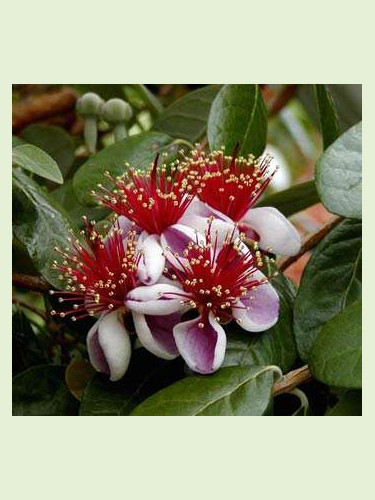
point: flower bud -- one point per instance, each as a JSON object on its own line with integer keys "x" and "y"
{"x": 89, "y": 107}
{"x": 117, "y": 112}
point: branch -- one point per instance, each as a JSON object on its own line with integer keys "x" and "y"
{"x": 282, "y": 99}
{"x": 291, "y": 380}
{"x": 33, "y": 309}
{"x": 41, "y": 107}
{"x": 35, "y": 283}
{"x": 311, "y": 242}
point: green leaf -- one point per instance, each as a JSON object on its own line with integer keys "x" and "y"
{"x": 329, "y": 121}
{"x": 66, "y": 197}
{"x": 336, "y": 355}
{"x": 152, "y": 102}
{"x": 26, "y": 349}
{"x": 292, "y": 200}
{"x": 146, "y": 375}
{"x": 231, "y": 391}
{"x": 238, "y": 115}
{"x": 37, "y": 161}
{"x": 138, "y": 150}
{"x": 39, "y": 224}
{"x": 327, "y": 283}
{"x": 187, "y": 117}
{"x": 16, "y": 141}
{"x": 41, "y": 390}
{"x": 275, "y": 346}
{"x": 349, "y": 404}
{"x": 339, "y": 175}
{"x": 54, "y": 141}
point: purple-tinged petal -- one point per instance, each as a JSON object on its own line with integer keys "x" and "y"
{"x": 175, "y": 240}
{"x": 156, "y": 333}
{"x": 156, "y": 299}
{"x": 152, "y": 261}
{"x": 125, "y": 224}
{"x": 201, "y": 343}
{"x": 276, "y": 233}
{"x": 109, "y": 347}
{"x": 258, "y": 311}
{"x": 198, "y": 213}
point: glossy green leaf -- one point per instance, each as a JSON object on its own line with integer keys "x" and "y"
{"x": 146, "y": 375}
{"x": 39, "y": 224}
{"x": 231, "y": 391}
{"x": 54, "y": 141}
{"x": 138, "y": 150}
{"x": 292, "y": 200}
{"x": 66, "y": 197}
{"x": 275, "y": 346}
{"x": 349, "y": 404}
{"x": 336, "y": 355}
{"x": 339, "y": 175}
{"x": 26, "y": 349}
{"x": 327, "y": 283}
{"x": 37, "y": 161}
{"x": 238, "y": 115}
{"x": 187, "y": 117}
{"x": 41, "y": 390}
{"x": 329, "y": 121}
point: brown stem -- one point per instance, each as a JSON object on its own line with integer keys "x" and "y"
{"x": 33, "y": 309}
{"x": 310, "y": 243}
{"x": 282, "y": 99}
{"x": 35, "y": 283}
{"x": 291, "y": 380}
{"x": 41, "y": 107}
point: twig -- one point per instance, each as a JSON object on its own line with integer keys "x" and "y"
{"x": 33, "y": 309}
{"x": 35, "y": 283}
{"x": 291, "y": 380}
{"x": 41, "y": 107}
{"x": 282, "y": 99}
{"x": 310, "y": 243}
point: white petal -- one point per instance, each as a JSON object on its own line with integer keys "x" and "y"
{"x": 258, "y": 311}
{"x": 156, "y": 299}
{"x": 197, "y": 214}
{"x": 109, "y": 346}
{"x": 152, "y": 261}
{"x": 276, "y": 233}
{"x": 203, "y": 349}
{"x": 97, "y": 358}
{"x": 156, "y": 333}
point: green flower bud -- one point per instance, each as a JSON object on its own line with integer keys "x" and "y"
{"x": 117, "y": 112}
{"x": 89, "y": 104}
{"x": 89, "y": 107}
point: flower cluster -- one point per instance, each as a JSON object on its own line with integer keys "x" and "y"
{"x": 182, "y": 258}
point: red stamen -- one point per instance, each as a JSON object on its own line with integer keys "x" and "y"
{"x": 99, "y": 274}
{"x": 152, "y": 200}
{"x": 231, "y": 184}
{"x": 216, "y": 278}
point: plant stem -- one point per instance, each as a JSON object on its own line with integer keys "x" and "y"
{"x": 282, "y": 99}
{"x": 41, "y": 107}
{"x": 310, "y": 242}
{"x": 291, "y": 380}
{"x": 35, "y": 283}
